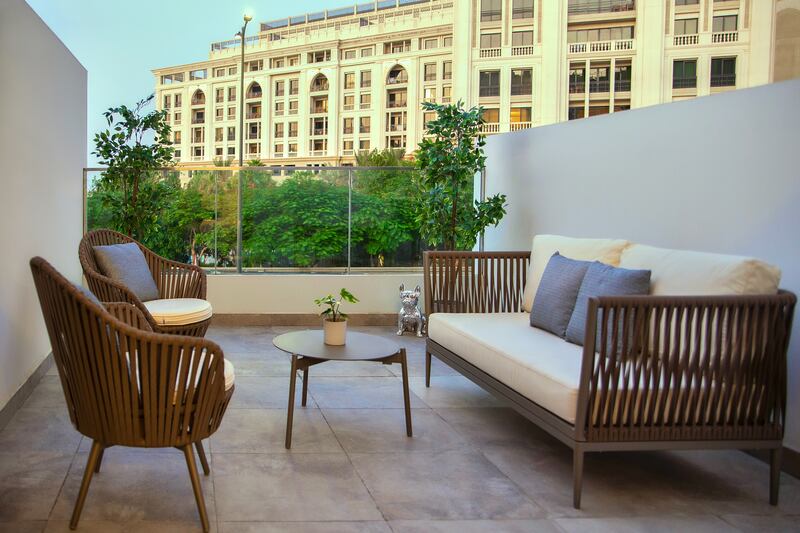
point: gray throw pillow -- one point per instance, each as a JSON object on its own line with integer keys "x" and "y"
{"x": 126, "y": 263}
{"x": 89, "y": 294}
{"x": 557, "y": 292}
{"x": 604, "y": 280}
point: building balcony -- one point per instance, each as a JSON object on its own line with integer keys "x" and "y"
{"x": 198, "y": 101}
{"x": 725, "y": 37}
{"x": 522, "y": 50}
{"x": 516, "y": 126}
{"x": 395, "y": 105}
{"x": 594, "y": 47}
{"x": 489, "y": 52}
{"x": 254, "y": 114}
{"x": 490, "y": 127}
{"x": 396, "y": 127}
{"x": 686, "y": 40}
{"x": 599, "y": 7}
{"x": 723, "y": 80}
{"x": 318, "y": 152}
{"x": 689, "y": 82}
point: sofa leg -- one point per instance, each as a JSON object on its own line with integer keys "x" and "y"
{"x": 577, "y": 477}
{"x": 427, "y": 369}
{"x": 774, "y": 474}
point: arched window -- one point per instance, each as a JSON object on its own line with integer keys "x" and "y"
{"x": 198, "y": 98}
{"x": 397, "y": 74}
{"x": 319, "y": 83}
{"x": 254, "y": 91}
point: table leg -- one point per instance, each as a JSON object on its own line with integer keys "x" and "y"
{"x": 290, "y": 411}
{"x": 305, "y": 385}
{"x": 406, "y": 398}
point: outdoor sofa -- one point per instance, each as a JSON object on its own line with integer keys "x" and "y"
{"x": 699, "y": 363}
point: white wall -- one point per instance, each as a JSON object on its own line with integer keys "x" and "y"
{"x": 295, "y": 293}
{"x": 717, "y": 174}
{"x": 42, "y": 149}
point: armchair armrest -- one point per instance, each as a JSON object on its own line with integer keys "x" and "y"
{"x": 474, "y": 282}
{"x": 175, "y": 279}
{"x": 129, "y": 314}
{"x": 692, "y": 367}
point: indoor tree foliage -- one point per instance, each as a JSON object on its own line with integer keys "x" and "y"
{"x": 135, "y": 147}
{"x": 447, "y": 161}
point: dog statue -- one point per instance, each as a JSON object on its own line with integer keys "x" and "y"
{"x": 410, "y": 317}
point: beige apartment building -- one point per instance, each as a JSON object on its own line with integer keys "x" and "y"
{"x": 320, "y": 87}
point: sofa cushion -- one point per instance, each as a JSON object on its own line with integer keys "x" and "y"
{"x": 179, "y": 311}
{"x": 537, "y": 364}
{"x": 126, "y": 264}
{"x": 683, "y": 272}
{"x": 557, "y": 292}
{"x": 544, "y": 246}
{"x": 604, "y": 280}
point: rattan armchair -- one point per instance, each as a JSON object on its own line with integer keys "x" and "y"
{"x": 173, "y": 279}
{"x": 127, "y": 385}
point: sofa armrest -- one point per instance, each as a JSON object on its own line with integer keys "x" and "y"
{"x": 474, "y": 282}
{"x": 685, "y": 367}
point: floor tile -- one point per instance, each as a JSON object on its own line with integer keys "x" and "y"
{"x": 764, "y": 524}
{"x": 452, "y": 391}
{"x": 257, "y": 392}
{"x": 264, "y": 430}
{"x": 355, "y": 393}
{"x": 383, "y": 430}
{"x": 135, "y": 485}
{"x": 416, "y": 366}
{"x": 142, "y": 526}
{"x": 22, "y": 527}
{"x": 48, "y": 393}
{"x": 305, "y": 527}
{"x": 452, "y": 485}
{"x": 290, "y": 487}
{"x": 474, "y": 526}
{"x": 661, "y": 524}
{"x": 270, "y": 363}
{"x": 40, "y": 429}
{"x": 29, "y": 484}
{"x": 496, "y": 426}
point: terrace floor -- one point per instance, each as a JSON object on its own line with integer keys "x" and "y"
{"x": 472, "y": 466}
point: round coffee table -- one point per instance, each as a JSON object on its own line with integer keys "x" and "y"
{"x": 308, "y": 349}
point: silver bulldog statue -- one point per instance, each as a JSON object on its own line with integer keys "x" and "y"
{"x": 410, "y": 317}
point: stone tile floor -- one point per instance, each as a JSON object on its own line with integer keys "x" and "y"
{"x": 472, "y": 466}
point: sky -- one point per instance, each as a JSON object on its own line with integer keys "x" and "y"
{"x": 120, "y": 41}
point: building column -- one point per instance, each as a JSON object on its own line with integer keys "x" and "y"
{"x": 649, "y": 60}
{"x": 463, "y": 27}
{"x": 554, "y": 71}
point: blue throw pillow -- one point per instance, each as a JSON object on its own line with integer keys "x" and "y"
{"x": 557, "y": 292}
{"x": 126, "y": 263}
{"x": 604, "y": 280}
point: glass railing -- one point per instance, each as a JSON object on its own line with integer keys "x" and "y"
{"x": 292, "y": 219}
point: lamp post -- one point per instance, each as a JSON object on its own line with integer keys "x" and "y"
{"x": 241, "y": 34}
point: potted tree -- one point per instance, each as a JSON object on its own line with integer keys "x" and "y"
{"x": 448, "y": 214}
{"x": 334, "y": 322}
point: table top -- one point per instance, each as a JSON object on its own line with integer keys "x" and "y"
{"x": 359, "y": 346}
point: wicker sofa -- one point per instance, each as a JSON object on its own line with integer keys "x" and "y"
{"x": 690, "y": 366}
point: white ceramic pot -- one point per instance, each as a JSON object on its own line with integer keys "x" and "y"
{"x": 335, "y": 333}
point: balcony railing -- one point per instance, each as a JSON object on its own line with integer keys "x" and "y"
{"x": 522, "y": 50}
{"x": 688, "y": 82}
{"x": 198, "y": 101}
{"x": 490, "y": 127}
{"x": 686, "y": 40}
{"x": 396, "y": 127}
{"x": 282, "y": 214}
{"x": 577, "y": 87}
{"x": 622, "y": 86}
{"x": 599, "y": 86}
{"x": 396, "y": 80}
{"x": 592, "y": 47}
{"x": 723, "y": 80}
{"x": 725, "y": 37}
{"x": 516, "y": 126}
{"x": 490, "y": 52}
{"x": 198, "y": 120}
{"x": 254, "y": 114}
{"x": 402, "y": 103}
{"x": 590, "y": 7}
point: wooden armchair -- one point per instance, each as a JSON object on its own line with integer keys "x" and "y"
{"x": 174, "y": 280}
{"x": 126, "y": 385}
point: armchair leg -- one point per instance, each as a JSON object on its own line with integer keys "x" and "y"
{"x": 99, "y": 460}
{"x": 774, "y": 474}
{"x": 577, "y": 477}
{"x": 427, "y": 369}
{"x": 202, "y": 454}
{"x": 196, "y": 487}
{"x": 91, "y": 465}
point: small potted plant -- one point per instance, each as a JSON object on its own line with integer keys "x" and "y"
{"x": 334, "y": 322}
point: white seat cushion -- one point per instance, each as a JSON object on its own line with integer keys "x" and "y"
{"x": 230, "y": 374}
{"x": 606, "y": 251}
{"x": 539, "y": 365}
{"x": 684, "y": 273}
{"x": 179, "y": 311}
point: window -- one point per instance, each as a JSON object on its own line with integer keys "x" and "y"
{"x": 447, "y": 41}
{"x": 232, "y": 71}
{"x": 253, "y": 66}
{"x": 292, "y": 148}
{"x": 319, "y": 57}
{"x": 219, "y": 95}
{"x": 725, "y": 23}
{"x": 218, "y": 152}
{"x": 397, "y": 75}
{"x": 198, "y": 135}
{"x": 397, "y": 47}
{"x": 319, "y": 126}
{"x": 219, "y": 113}
{"x": 350, "y": 54}
{"x": 231, "y": 150}
{"x": 231, "y": 133}
{"x": 319, "y": 83}
{"x": 686, "y": 2}
{"x": 490, "y": 40}
{"x": 279, "y": 88}
{"x": 522, "y": 38}
{"x": 347, "y": 125}
{"x": 197, "y": 74}
{"x": 723, "y": 72}
{"x": 365, "y": 101}
{"x": 231, "y": 112}
{"x": 491, "y": 116}
{"x": 427, "y": 118}
{"x": 254, "y": 130}
{"x": 622, "y": 78}
{"x": 293, "y": 60}
{"x": 396, "y": 121}
{"x": 198, "y": 151}
{"x": 278, "y": 62}
{"x": 363, "y": 144}
{"x": 491, "y": 10}
{"x": 178, "y": 100}
{"x": 520, "y": 114}
{"x": 293, "y": 107}
{"x": 279, "y": 107}
{"x": 521, "y": 82}
{"x": 430, "y": 71}
{"x": 489, "y": 83}
{"x": 430, "y": 94}
{"x": 231, "y": 94}
{"x": 167, "y": 101}
{"x": 599, "y": 79}
{"x": 349, "y": 102}
{"x": 350, "y": 80}
{"x": 279, "y": 148}
{"x": 600, "y": 34}
{"x": 446, "y": 91}
{"x": 582, "y": 7}
{"x": 177, "y": 119}
{"x": 172, "y": 78}
{"x": 684, "y": 74}
{"x": 367, "y": 52}
{"x": 430, "y": 44}
{"x": 293, "y": 129}
{"x": 447, "y": 70}
{"x": 522, "y": 9}
{"x": 176, "y": 136}
{"x": 396, "y": 98}
{"x": 686, "y": 27}
{"x": 595, "y": 110}
{"x": 278, "y": 130}
{"x": 366, "y": 79}
{"x": 294, "y": 87}
{"x": 364, "y": 124}
{"x": 219, "y": 72}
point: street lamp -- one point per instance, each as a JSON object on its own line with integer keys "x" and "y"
{"x": 241, "y": 34}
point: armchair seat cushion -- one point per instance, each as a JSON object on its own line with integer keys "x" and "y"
{"x": 538, "y": 365}
{"x": 179, "y": 311}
